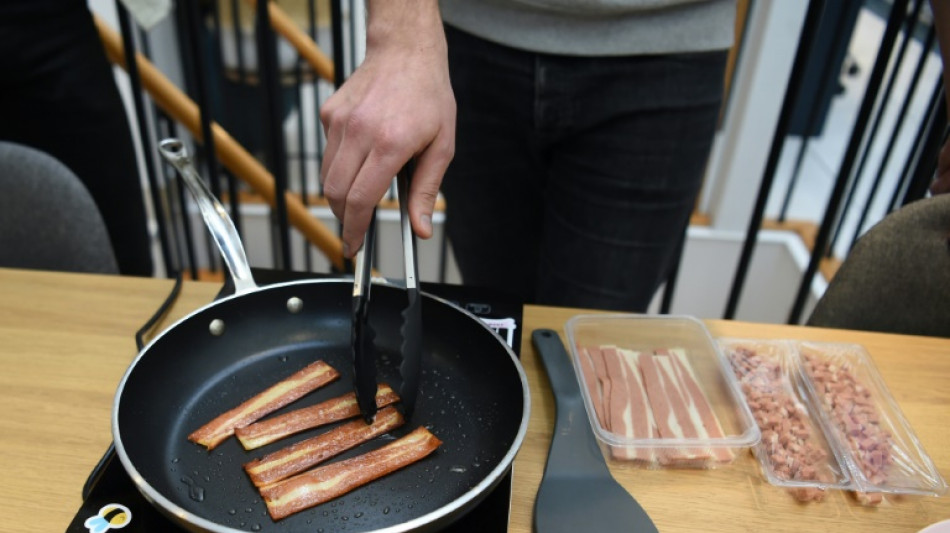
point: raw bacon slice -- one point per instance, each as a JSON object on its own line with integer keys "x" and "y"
{"x": 592, "y": 382}
{"x": 333, "y": 410}
{"x": 697, "y": 403}
{"x": 312, "y": 377}
{"x": 600, "y": 369}
{"x": 637, "y": 419}
{"x": 300, "y": 456}
{"x": 674, "y": 420}
{"x": 330, "y": 481}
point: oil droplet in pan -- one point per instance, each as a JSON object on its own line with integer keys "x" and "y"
{"x": 195, "y": 492}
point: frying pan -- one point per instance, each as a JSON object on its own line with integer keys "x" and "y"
{"x": 473, "y": 395}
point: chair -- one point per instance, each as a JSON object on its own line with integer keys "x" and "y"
{"x": 897, "y": 277}
{"x": 48, "y": 220}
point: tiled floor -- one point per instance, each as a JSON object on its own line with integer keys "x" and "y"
{"x": 823, "y": 155}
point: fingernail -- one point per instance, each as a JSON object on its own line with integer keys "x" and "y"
{"x": 346, "y": 250}
{"x": 427, "y": 223}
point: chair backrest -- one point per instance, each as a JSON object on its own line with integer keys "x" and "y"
{"x": 48, "y": 220}
{"x": 897, "y": 277}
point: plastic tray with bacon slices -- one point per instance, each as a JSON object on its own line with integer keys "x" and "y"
{"x": 658, "y": 392}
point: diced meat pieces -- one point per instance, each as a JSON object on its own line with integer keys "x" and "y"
{"x": 330, "y": 481}
{"x": 310, "y": 378}
{"x": 854, "y": 415}
{"x": 788, "y": 440}
{"x": 333, "y": 410}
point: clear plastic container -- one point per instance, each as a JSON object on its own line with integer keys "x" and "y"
{"x": 863, "y": 420}
{"x": 839, "y": 403}
{"x": 658, "y": 392}
{"x": 793, "y": 452}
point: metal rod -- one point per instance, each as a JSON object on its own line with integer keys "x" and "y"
{"x": 339, "y": 56}
{"x": 901, "y": 115}
{"x": 669, "y": 288}
{"x": 855, "y": 179}
{"x": 270, "y": 85}
{"x": 239, "y": 41}
{"x": 897, "y": 14}
{"x": 805, "y": 43}
{"x": 828, "y": 71}
{"x": 916, "y": 147}
{"x": 229, "y": 180}
{"x": 927, "y": 162}
{"x": 301, "y": 152}
{"x": 128, "y": 43}
{"x": 193, "y": 17}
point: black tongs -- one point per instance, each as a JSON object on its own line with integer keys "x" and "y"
{"x": 411, "y": 349}
{"x": 364, "y": 353}
{"x": 362, "y": 334}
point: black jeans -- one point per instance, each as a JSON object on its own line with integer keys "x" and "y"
{"x": 58, "y": 95}
{"x": 574, "y": 177}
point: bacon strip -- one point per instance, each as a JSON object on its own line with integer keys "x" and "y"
{"x": 300, "y": 456}
{"x": 697, "y": 403}
{"x": 593, "y": 385}
{"x": 330, "y": 481}
{"x": 638, "y": 421}
{"x": 600, "y": 368}
{"x": 333, "y": 410}
{"x": 312, "y": 377}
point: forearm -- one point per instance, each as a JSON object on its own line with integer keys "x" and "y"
{"x": 406, "y": 23}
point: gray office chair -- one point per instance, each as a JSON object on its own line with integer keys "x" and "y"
{"x": 48, "y": 220}
{"x": 897, "y": 277}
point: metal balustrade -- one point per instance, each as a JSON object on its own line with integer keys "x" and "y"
{"x": 225, "y": 66}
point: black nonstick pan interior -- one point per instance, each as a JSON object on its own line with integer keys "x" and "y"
{"x": 472, "y": 396}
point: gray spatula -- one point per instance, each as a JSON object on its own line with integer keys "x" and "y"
{"x": 577, "y": 492}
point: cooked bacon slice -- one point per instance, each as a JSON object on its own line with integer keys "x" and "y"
{"x": 300, "y": 456}
{"x": 333, "y": 410}
{"x": 312, "y": 377}
{"x": 330, "y": 481}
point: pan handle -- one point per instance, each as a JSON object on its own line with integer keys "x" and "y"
{"x": 219, "y": 224}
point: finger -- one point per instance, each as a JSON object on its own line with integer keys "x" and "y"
{"x": 333, "y": 128}
{"x": 424, "y": 190}
{"x": 367, "y": 190}
{"x": 941, "y": 185}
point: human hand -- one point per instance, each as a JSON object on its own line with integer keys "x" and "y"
{"x": 941, "y": 183}
{"x": 397, "y": 105}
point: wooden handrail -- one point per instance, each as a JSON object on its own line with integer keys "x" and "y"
{"x": 232, "y": 155}
{"x": 284, "y": 25}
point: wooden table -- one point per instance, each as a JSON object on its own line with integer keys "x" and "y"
{"x": 66, "y": 339}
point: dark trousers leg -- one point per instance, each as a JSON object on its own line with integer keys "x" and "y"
{"x": 574, "y": 178}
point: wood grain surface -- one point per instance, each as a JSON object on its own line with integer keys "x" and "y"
{"x": 66, "y": 339}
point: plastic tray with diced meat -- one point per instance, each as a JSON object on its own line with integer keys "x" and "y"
{"x": 658, "y": 391}
{"x": 829, "y": 421}
{"x": 859, "y": 415}
{"x": 794, "y": 452}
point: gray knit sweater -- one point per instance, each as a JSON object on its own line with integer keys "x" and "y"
{"x": 597, "y": 27}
